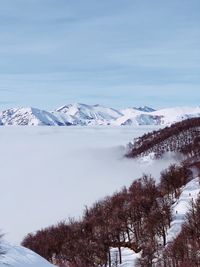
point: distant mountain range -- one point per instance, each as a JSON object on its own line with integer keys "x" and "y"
{"x": 85, "y": 115}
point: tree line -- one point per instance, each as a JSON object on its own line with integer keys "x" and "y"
{"x": 182, "y": 137}
{"x": 136, "y": 217}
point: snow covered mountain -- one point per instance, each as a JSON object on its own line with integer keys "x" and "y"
{"x": 175, "y": 114}
{"x": 18, "y": 256}
{"x": 145, "y": 109}
{"x": 29, "y": 116}
{"x": 132, "y": 116}
{"x": 84, "y": 115}
{"x": 90, "y": 115}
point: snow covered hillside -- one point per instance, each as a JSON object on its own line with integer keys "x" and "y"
{"x": 180, "y": 208}
{"x": 133, "y": 116}
{"x": 18, "y": 256}
{"x": 30, "y": 116}
{"x": 82, "y": 114}
{"x": 90, "y": 115}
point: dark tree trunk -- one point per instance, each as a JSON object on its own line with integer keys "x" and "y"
{"x": 109, "y": 258}
{"x": 120, "y": 255}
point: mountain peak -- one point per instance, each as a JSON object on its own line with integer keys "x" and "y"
{"x": 83, "y": 114}
{"x": 145, "y": 109}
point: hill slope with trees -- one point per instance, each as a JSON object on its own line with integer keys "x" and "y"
{"x": 140, "y": 218}
{"x": 182, "y": 137}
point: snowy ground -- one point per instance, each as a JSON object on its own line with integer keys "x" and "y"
{"x": 129, "y": 258}
{"x": 50, "y": 173}
{"x": 189, "y": 193}
{"x": 17, "y": 256}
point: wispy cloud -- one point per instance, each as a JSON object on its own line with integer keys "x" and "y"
{"x": 96, "y": 47}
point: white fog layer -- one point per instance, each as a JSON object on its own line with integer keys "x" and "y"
{"x": 48, "y": 174}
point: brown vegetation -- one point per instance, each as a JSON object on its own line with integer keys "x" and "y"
{"x": 137, "y": 217}
{"x": 182, "y": 137}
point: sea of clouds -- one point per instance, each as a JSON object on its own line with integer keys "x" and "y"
{"x": 50, "y": 173}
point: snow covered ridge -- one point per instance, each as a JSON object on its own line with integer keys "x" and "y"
{"x": 84, "y": 115}
{"x": 181, "y": 138}
{"x": 18, "y": 256}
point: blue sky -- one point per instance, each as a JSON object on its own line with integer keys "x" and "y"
{"x": 113, "y": 52}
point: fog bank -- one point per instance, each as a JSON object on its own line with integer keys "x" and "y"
{"x": 50, "y": 173}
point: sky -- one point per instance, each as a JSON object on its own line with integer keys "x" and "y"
{"x": 116, "y": 53}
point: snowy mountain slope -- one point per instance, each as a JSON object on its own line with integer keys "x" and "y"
{"x": 82, "y": 114}
{"x": 145, "y": 109}
{"x": 133, "y": 116}
{"x": 90, "y": 114}
{"x": 175, "y": 114}
{"x": 131, "y": 112}
{"x": 18, "y": 256}
{"x": 139, "y": 119}
{"x": 30, "y": 116}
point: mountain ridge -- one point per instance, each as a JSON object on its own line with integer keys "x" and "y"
{"x": 93, "y": 115}
{"x": 182, "y": 138}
